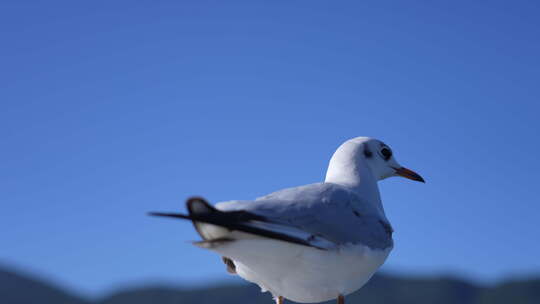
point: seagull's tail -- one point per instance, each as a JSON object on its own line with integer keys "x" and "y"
{"x": 216, "y": 226}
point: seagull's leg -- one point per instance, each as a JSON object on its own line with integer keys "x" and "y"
{"x": 341, "y": 299}
{"x": 279, "y": 300}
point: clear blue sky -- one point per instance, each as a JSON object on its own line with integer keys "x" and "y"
{"x": 110, "y": 110}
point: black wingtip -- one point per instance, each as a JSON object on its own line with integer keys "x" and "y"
{"x": 155, "y": 214}
{"x": 165, "y": 214}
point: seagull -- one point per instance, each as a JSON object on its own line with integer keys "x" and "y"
{"x": 311, "y": 243}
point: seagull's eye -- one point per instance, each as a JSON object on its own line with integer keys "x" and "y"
{"x": 386, "y": 153}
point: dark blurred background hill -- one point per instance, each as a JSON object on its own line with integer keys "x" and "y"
{"x": 23, "y": 289}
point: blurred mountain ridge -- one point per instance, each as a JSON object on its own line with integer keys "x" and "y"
{"x": 16, "y": 288}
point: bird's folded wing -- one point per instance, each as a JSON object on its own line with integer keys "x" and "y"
{"x": 325, "y": 215}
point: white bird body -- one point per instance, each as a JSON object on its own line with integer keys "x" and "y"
{"x": 303, "y": 274}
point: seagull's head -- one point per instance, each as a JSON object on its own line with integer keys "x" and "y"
{"x": 375, "y": 154}
{"x": 381, "y": 160}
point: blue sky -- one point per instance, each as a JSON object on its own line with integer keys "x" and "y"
{"x": 110, "y": 110}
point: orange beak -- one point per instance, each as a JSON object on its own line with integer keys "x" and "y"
{"x": 410, "y": 174}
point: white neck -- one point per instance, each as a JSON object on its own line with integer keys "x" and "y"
{"x": 354, "y": 174}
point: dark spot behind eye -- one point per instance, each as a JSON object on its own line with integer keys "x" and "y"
{"x": 367, "y": 152}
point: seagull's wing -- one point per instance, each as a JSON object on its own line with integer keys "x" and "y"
{"x": 324, "y": 215}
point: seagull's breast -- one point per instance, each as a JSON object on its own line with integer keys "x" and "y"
{"x": 304, "y": 274}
